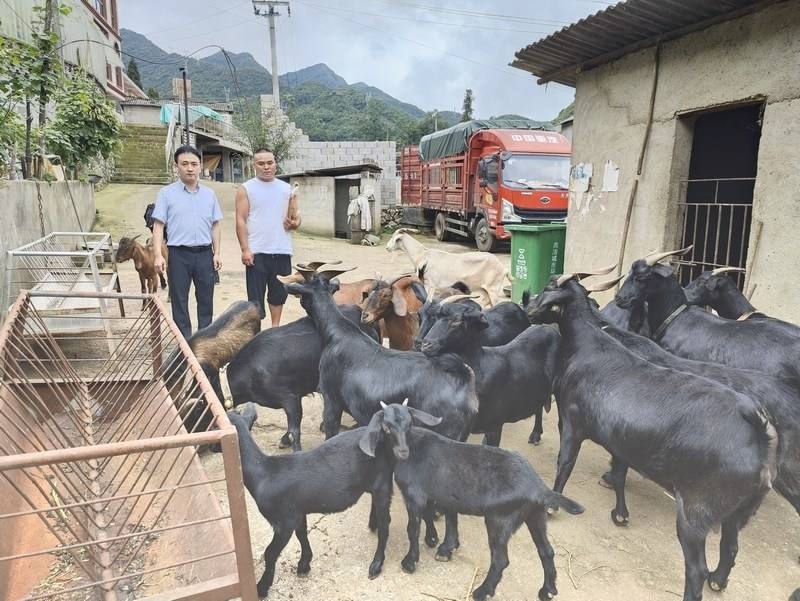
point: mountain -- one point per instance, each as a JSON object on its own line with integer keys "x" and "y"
{"x": 317, "y": 99}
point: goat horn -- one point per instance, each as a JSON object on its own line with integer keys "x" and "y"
{"x": 400, "y": 277}
{"x": 314, "y": 265}
{"x": 329, "y": 274}
{"x": 563, "y": 279}
{"x": 383, "y": 405}
{"x": 721, "y": 270}
{"x": 405, "y": 402}
{"x": 603, "y": 286}
{"x": 457, "y": 297}
{"x": 295, "y": 278}
{"x": 602, "y": 271}
{"x": 654, "y": 258}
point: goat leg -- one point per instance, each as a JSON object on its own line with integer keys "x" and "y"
{"x": 499, "y": 529}
{"x": 280, "y": 537}
{"x": 450, "y": 543}
{"x": 492, "y": 437}
{"x": 293, "y": 407}
{"x": 693, "y": 544}
{"x": 537, "y": 526}
{"x": 143, "y": 285}
{"x": 618, "y": 473}
{"x": 536, "y": 434}
{"x": 431, "y": 535}
{"x": 331, "y": 416}
{"x": 567, "y": 454}
{"x": 409, "y": 562}
{"x": 381, "y": 500}
{"x": 301, "y": 532}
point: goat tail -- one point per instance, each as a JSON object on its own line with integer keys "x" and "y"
{"x": 554, "y": 500}
{"x": 761, "y": 420}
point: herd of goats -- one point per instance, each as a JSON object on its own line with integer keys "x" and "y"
{"x": 707, "y": 405}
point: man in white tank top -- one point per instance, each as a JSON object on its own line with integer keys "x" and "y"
{"x": 266, "y": 214}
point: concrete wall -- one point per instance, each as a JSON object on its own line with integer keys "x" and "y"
{"x": 143, "y": 115}
{"x": 19, "y": 213}
{"x": 317, "y": 201}
{"x": 751, "y": 58}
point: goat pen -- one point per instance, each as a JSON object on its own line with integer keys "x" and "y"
{"x": 102, "y": 493}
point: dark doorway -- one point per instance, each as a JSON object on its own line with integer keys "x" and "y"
{"x": 342, "y": 200}
{"x": 717, "y": 198}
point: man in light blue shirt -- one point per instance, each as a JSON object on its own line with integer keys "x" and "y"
{"x": 191, "y": 213}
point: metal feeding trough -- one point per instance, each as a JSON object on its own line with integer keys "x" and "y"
{"x": 102, "y": 493}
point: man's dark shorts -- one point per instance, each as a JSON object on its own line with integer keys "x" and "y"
{"x": 262, "y": 277}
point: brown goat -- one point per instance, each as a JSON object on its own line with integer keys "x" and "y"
{"x": 396, "y": 304}
{"x": 143, "y": 259}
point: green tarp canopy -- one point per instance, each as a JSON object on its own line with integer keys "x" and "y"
{"x": 195, "y": 112}
{"x": 454, "y": 140}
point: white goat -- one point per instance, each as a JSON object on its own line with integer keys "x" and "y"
{"x": 483, "y": 272}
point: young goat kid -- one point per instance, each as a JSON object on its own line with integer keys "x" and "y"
{"x": 143, "y": 259}
{"x": 396, "y": 304}
{"x": 429, "y": 467}
{"x": 356, "y": 374}
{"x": 329, "y": 479}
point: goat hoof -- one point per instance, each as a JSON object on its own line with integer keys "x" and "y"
{"x": 618, "y": 519}
{"x": 432, "y": 541}
{"x": 303, "y": 568}
{"x": 262, "y": 591}
{"x": 480, "y": 594}
{"x": 545, "y": 594}
{"x": 552, "y": 511}
{"x": 715, "y": 584}
{"x": 322, "y": 427}
{"x": 606, "y": 481}
{"x": 444, "y": 553}
{"x": 535, "y": 439}
{"x": 375, "y": 569}
{"x": 408, "y": 565}
{"x": 285, "y": 442}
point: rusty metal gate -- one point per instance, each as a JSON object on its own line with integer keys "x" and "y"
{"x": 102, "y": 493}
{"x": 718, "y": 228}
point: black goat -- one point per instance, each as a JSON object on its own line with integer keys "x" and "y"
{"x": 795, "y": 595}
{"x": 506, "y": 320}
{"x": 718, "y": 291}
{"x": 280, "y": 366}
{"x": 455, "y": 475}
{"x": 778, "y": 397}
{"x": 214, "y": 346}
{"x": 513, "y": 381}
{"x": 329, "y": 479}
{"x": 691, "y": 332}
{"x": 713, "y": 448}
{"x": 356, "y": 374}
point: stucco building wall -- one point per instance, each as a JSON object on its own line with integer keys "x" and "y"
{"x": 751, "y": 59}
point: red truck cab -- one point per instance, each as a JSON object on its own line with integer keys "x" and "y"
{"x": 500, "y": 176}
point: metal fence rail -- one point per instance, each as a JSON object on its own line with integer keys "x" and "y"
{"x": 102, "y": 494}
{"x": 718, "y": 227}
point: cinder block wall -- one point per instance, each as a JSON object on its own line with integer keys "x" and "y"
{"x": 320, "y": 155}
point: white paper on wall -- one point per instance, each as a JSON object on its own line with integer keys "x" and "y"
{"x": 610, "y": 177}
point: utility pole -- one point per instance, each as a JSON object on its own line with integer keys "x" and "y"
{"x": 185, "y": 106}
{"x": 49, "y": 10}
{"x": 435, "y": 120}
{"x": 266, "y": 8}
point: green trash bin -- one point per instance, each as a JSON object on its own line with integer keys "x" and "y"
{"x": 537, "y": 252}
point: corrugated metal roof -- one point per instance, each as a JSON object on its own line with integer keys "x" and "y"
{"x": 621, "y": 29}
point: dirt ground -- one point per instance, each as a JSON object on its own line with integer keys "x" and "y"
{"x": 596, "y": 560}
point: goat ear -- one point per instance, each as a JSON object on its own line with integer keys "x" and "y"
{"x": 478, "y": 318}
{"x": 664, "y": 271}
{"x": 399, "y": 302}
{"x": 419, "y": 291}
{"x": 369, "y": 442}
{"x": 333, "y": 286}
{"x": 423, "y": 418}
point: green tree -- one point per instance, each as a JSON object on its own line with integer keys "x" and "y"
{"x": 466, "y": 110}
{"x": 152, "y": 93}
{"x": 373, "y": 126}
{"x": 267, "y": 128}
{"x": 85, "y": 125}
{"x": 133, "y": 72}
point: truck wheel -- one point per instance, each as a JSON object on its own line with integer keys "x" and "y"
{"x": 484, "y": 237}
{"x": 439, "y": 225}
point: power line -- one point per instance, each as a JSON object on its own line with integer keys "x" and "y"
{"x": 398, "y": 18}
{"x": 473, "y": 14}
{"x": 464, "y": 58}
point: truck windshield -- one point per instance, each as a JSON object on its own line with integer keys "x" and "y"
{"x": 536, "y": 171}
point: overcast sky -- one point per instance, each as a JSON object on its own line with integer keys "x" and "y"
{"x": 426, "y": 52}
